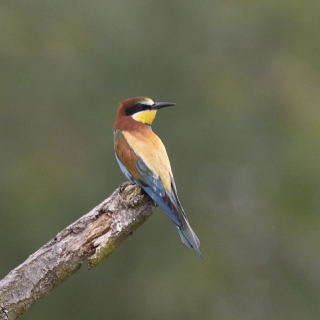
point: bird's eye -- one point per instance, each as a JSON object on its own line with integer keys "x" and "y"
{"x": 139, "y": 107}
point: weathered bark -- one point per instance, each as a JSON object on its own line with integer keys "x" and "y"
{"x": 93, "y": 237}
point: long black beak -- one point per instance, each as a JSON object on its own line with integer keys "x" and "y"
{"x": 159, "y": 105}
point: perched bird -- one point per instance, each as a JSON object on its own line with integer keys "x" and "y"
{"x": 143, "y": 159}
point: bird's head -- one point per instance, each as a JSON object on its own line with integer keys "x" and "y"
{"x": 141, "y": 109}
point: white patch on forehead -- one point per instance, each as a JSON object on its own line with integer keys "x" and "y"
{"x": 148, "y": 102}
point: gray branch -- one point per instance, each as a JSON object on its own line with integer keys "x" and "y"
{"x": 93, "y": 237}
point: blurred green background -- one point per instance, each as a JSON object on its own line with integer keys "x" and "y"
{"x": 243, "y": 140}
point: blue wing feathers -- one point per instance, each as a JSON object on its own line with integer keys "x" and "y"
{"x": 168, "y": 201}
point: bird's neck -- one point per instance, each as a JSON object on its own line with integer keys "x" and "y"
{"x": 128, "y": 123}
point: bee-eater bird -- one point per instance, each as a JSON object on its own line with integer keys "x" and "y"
{"x": 143, "y": 159}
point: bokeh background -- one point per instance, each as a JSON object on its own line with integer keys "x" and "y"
{"x": 243, "y": 140}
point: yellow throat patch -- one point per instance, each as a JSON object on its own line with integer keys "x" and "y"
{"x": 146, "y": 116}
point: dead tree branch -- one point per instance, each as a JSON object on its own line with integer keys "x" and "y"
{"x": 93, "y": 237}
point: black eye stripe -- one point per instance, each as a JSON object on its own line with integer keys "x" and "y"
{"x": 136, "y": 108}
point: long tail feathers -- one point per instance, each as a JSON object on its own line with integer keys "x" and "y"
{"x": 189, "y": 238}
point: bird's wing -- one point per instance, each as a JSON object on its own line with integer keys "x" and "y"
{"x": 125, "y": 156}
{"x": 169, "y": 202}
{"x": 147, "y": 164}
{"x": 153, "y": 166}
{"x": 153, "y": 186}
